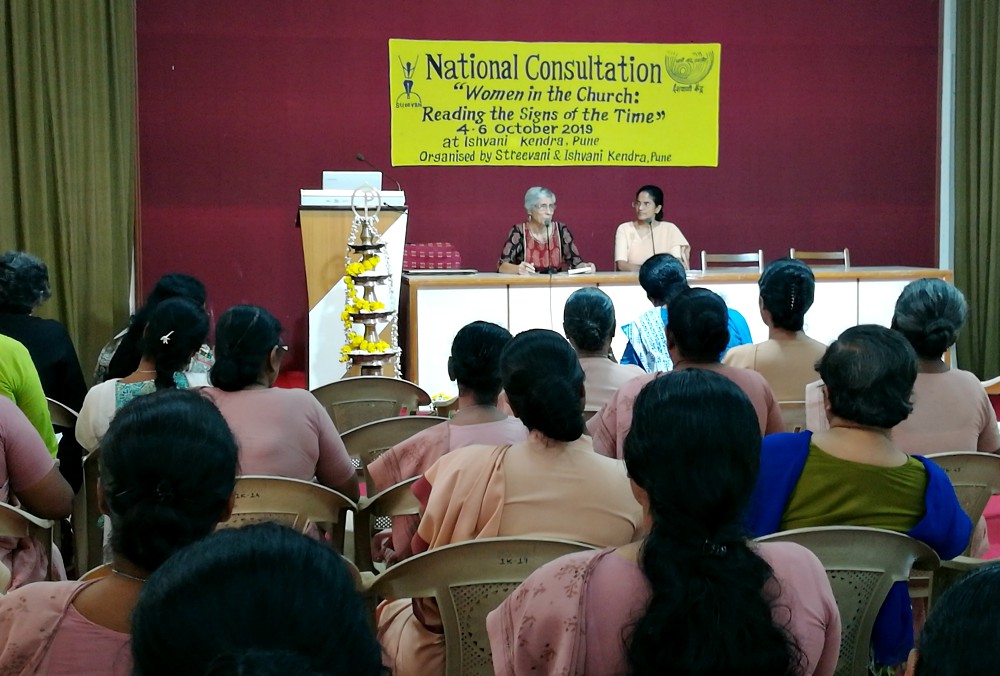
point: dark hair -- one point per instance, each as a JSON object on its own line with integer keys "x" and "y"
{"x": 694, "y": 448}
{"x": 656, "y": 195}
{"x": 930, "y": 313}
{"x": 589, "y": 318}
{"x": 24, "y": 282}
{"x": 245, "y": 335}
{"x": 959, "y": 637}
{"x": 168, "y": 468}
{"x": 475, "y": 359}
{"x": 175, "y": 331}
{"x": 869, "y": 373}
{"x": 175, "y": 285}
{"x": 787, "y": 289}
{"x": 662, "y": 277}
{"x": 698, "y": 319}
{"x": 544, "y": 383}
{"x": 252, "y": 600}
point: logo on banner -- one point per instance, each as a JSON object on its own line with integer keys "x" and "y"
{"x": 688, "y": 71}
{"x": 409, "y": 98}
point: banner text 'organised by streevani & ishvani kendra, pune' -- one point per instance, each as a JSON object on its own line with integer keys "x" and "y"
{"x": 553, "y": 103}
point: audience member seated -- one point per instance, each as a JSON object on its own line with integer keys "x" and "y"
{"x": 649, "y": 234}
{"x": 19, "y": 382}
{"x": 260, "y": 599}
{"x": 24, "y": 286}
{"x": 694, "y": 596}
{"x": 696, "y": 338}
{"x": 951, "y": 411}
{"x": 168, "y": 469}
{"x": 663, "y": 278}
{"x": 960, "y": 637}
{"x": 175, "y": 330}
{"x": 30, "y": 480}
{"x": 589, "y": 324}
{"x": 787, "y": 359}
{"x": 854, "y": 475}
{"x": 553, "y": 485}
{"x": 475, "y": 365}
{"x": 540, "y": 244}
{"x": 281, "y": 432}
{"x": 122, "y": 354}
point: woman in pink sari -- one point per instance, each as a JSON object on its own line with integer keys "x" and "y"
{"x": 168, "y": 469}
{"x": 474, "y": 365}
{"x": 694, "y": 597}
{"x": 552, "y": 484}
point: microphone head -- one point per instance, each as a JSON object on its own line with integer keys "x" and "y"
{"x": 548, "y": 222}
{"x": 359, "y": 157}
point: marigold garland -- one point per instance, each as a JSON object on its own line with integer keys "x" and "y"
{"x": 356, "y": 305}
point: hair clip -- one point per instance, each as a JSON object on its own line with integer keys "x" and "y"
{"x": 710, "y": 548}
{"x": 165, "y": 338}
{"x": 164, "y": 491}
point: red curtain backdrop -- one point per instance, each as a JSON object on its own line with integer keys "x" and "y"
{"x": 828, "y": 132}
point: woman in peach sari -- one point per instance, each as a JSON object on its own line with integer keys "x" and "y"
{"x": 475, "y": 366}
{"x": 552, "y": 484}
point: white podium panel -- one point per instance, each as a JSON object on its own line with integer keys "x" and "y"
{"x": 878, "y": 300}
{"x": 439, "y": 305}
{"x": 442, "y": 312}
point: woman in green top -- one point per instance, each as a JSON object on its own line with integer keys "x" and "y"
{"x": 853, "y": 474}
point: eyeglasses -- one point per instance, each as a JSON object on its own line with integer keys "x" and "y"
{"x": 545, "y": 207}
{"x": 281, "y": 347}
{"x": 636, "y": 205}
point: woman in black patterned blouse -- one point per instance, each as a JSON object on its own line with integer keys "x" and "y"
{"x": 540, "y": 244}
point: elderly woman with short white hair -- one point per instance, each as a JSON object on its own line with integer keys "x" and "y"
{"x": 540, "y": 244}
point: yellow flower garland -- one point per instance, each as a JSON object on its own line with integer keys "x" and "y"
{"x": 356, "y": 305}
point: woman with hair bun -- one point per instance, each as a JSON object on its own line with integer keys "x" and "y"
{"x": 854, "y": 475}
{"x": 174, "y": 333}
{"x": 121, "y": 355}
{"x": 281, "y": 432}
{"x": 951, "y": 411}
{"x": 589, "y": 324}
{"x": 543, "y": 486}
{"x": 263, "y": 599}
{"x": 787, "y": 359}
{"x": 168, "y": 469}
{"x": 693, "y": 596}
{"x": 474, "y": 365}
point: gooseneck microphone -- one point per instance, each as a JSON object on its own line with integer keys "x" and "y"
{"x": 361, "y": 158}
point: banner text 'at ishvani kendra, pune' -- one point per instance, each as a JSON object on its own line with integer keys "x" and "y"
{"x": 463, "y": 102}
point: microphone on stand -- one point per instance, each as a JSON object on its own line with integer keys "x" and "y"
{"x": 361, "y": 158}
{"x": 548, "y": 246}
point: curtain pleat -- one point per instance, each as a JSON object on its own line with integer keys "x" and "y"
{"x": 67, "y": 155}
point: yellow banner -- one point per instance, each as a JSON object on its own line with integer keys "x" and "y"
{"x": 554, "y": 103}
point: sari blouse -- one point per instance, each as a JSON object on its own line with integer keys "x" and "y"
{"x": 559, "y": 253}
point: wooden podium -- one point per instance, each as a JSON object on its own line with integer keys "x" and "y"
{"x": 325, "y": 231}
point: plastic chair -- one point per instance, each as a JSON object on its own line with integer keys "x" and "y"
{"x": 347, "y": 415}
{"x": 62, "y": 415}
{"x": 397, "y": 500}
{"x": 975, "y": 478}
{"x": 730, "y": 259}
{"x": 469, "y": 580}
{"x": 88, "y": 538}
{"x": 861, "y": 564}
{"x": 17, "y": 523}
{"x": 794, "y": 415}
{"x": 368, "y": 441}
{"x": 843, "y": 257}
{"x": 292, "y": 502}
{"x": 408, "y": 395}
